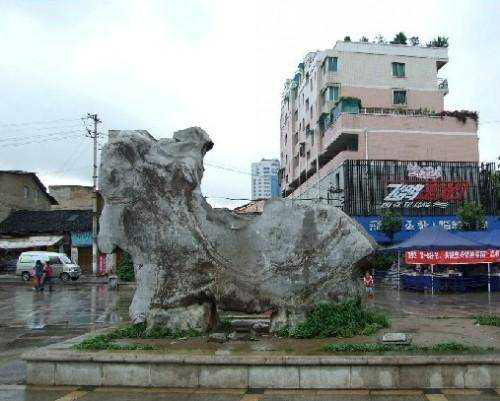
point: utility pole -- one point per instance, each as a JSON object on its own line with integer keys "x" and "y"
{"x": 94, "y": 134}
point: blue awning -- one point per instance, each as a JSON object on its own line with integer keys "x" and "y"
{"x": 490, "y": 239}
{"x": 435, "y": 239}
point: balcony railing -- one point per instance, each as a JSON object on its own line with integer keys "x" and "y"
{"x": 443, "y": 85}
{"x": 397, "y": 112}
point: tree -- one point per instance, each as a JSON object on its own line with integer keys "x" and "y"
{"x": 399, "y": 39}
{"x": 379, "y": 39}
{"x": 347, "y": 38}
{"x": 391, "y": 223}
{"x": 440, "y": 41}
{"x": 125, "y": 270}
{"x": 496, "y": 186}
{"x": 414, "y": 40}
{"x": 472, "y": 217}
{"x": 364, "y": 39}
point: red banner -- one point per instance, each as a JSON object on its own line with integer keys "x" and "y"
{"x": 452, "y": 257}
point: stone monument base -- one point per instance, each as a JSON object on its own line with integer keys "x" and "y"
{"x": 59, "y": 364}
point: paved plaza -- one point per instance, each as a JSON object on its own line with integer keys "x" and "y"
{"x": 22, "y": 393}
{"x": 29, "y": 320}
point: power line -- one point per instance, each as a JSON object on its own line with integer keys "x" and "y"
{"x": 61, "y": 136}
{"x": 227, "y": 168}
{"x": 45, "y": 128}
{"x": 31, "y": 137}
{"x": 37, "y": 122}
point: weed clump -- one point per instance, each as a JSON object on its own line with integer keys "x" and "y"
{"x": 345, "y": 319}
{"x": 487, "y": 320}
{"x": 106, "y": 341}
{"x": 440, "y": 348}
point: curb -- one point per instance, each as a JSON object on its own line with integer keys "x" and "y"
{"x": 58, "y": 364}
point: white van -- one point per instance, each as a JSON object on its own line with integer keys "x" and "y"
{"x": 62, "y": 266}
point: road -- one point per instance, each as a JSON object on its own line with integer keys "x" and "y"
{"x": 29, "y": 319}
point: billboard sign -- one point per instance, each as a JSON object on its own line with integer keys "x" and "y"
{"x": 432, "y": 194}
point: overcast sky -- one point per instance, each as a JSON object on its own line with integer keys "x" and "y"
{"x": 220, "y": 65}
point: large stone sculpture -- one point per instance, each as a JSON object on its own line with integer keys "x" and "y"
{"x": 190, "y": 258}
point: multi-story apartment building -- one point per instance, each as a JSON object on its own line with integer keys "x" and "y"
{"x": 265, "y": 182}
{"x": 367, "y": 101}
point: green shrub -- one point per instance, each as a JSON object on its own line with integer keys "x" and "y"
{"x": 345, "y": 319}
{"x": 125, "y": 270}
{"x": 382, "y": 260}
{"x": 441, "y": 348}
{"x": 225, "y": 325}
{"x": 487, "y": 320}
{"x": 132, "y": 331}
{"x": 391, "y": 223}
{"x": 472, "y": 217}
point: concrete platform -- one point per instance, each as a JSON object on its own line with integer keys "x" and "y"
{"x": 60, "y": 365}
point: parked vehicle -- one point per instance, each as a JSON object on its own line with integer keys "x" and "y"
{"x": 62, "y": 266}
{"x": 8, "y": 266}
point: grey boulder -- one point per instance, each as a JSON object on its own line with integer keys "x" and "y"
{"x": 191, "y": 259}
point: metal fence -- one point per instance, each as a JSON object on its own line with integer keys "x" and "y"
{"x": 418, "y": 188}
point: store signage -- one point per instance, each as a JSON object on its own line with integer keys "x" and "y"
{"x": 452, "y": 257}
{"x": 425, "y": 195}
{"x": 424, "y": 172}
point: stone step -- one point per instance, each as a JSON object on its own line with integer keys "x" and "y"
{"x": 243, "y": 316}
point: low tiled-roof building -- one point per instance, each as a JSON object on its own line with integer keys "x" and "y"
{"x": 67, "y": 231}
{"x": 22, "y": 190}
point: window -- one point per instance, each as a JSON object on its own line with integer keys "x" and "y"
{"x": 307, "y": 104}
{"x": 337, "y": 180}
{"x": 308, "y": 155}
{"x": 26, "y": 192}
{"x": 311, "y": 85}
{"x": 311, "y": 113}
{"x": 398, "y": 70}
{"x": 331, "y": 64}
{"x": 332, "y": 94}
{"x": 399, "y": 97}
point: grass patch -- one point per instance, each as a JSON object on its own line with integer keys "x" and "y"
{"x": 106, "y": 341}
{"x": 441, "y": 348}
{"x": 225, "y": 325}
{"x": 344, "y": 319}
{"x": 487, "y": 320}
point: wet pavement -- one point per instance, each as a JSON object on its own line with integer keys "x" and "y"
{"x": 30, "y": 319}
{"x": 20, "y": 393}
{"x": 410, "y": 303}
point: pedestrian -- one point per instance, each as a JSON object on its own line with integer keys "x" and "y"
{"x": 47, "y": 276}
{"x": 368, "y": 282}
{"x": 38, "y": 275}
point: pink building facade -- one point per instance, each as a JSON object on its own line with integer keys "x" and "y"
{"x": 367, "y": 101}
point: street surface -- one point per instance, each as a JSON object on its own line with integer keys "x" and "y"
{"x": 29, "y": 320}
{"x": 132, "y": 394}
